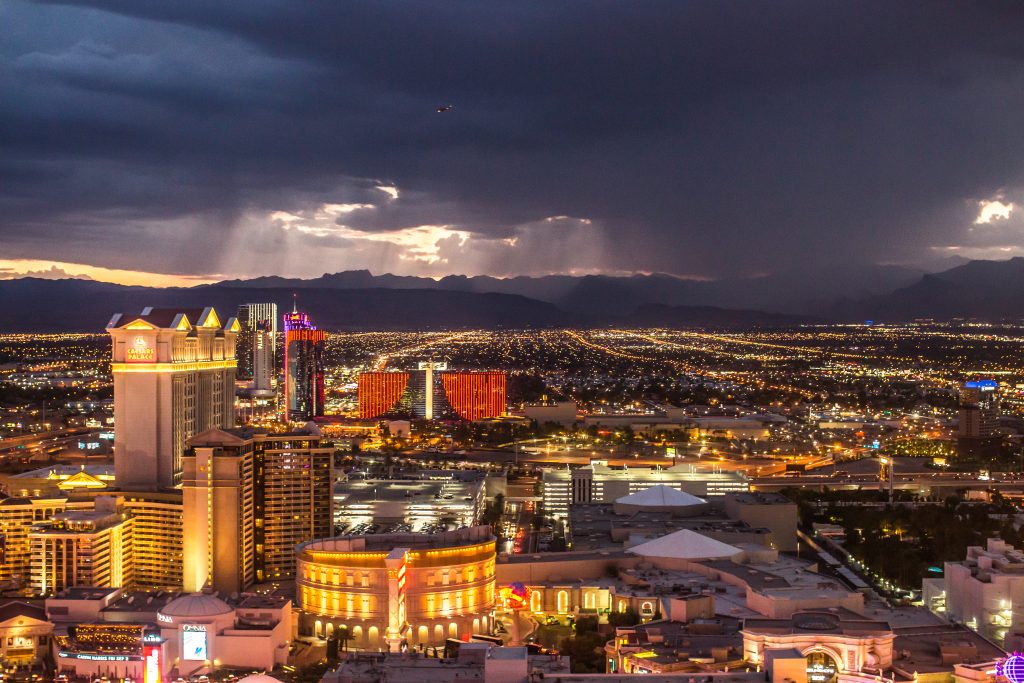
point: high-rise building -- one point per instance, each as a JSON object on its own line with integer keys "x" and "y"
{"x": 303, "y": 367}
{"x": 218, "y": 521}
{"x": 978, "y": 424}
{"x": 254, "y": 321}
{"x": 34, "y": 528}
{"x": 979, "y": 410}
{"x": 156, "y": 538}
{"x": 83, "y": 548}
{"x": 17, "y": 515}
{"x": 174, "y": 377}
{"x": 380, "y": 392}
{"x": 475, "y": 395}
{"x": 432, "y": 391}
{"x": 263, "y": 351}
{"x": 250, "y": 497}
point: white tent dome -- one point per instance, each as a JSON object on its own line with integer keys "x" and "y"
{"x": 661, "y": 495}
{"x": 686, "y": 545}
{"x": 258, "y": 678}
{"x": 196, "y": 605}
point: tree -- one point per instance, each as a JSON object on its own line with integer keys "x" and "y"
{"x": 585, "y": 652}
{"x": 630, "y": 617}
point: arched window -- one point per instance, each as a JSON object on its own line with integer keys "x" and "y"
{"x": 536, "y": 601}
{"x": 563, "y": 602}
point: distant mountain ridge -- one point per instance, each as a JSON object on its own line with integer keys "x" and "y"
{"x": 358, "y": 300}
{"x": 986, "y": 290}
{"x": 49, "y": 306}
{"x": 603, "y": 295}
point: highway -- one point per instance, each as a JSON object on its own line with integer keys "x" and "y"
{"x": 947, "y": 482}
{"x": 32, "y": 444}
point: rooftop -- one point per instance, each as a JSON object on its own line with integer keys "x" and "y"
{"x": 686, "y": 545}
{"x": 19, "y": 608}
{"x": 85, "y": 593}
{"x": 761, "y": 498}
{"x": 661, "y": 495}
{"x": 387, "y": 542}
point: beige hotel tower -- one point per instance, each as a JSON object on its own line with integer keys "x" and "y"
{"x": 174, "y": 377}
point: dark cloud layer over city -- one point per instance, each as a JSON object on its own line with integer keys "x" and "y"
{"x": 700, "y": 138}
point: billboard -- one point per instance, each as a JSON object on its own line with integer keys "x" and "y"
{"x": 193, "y": 643}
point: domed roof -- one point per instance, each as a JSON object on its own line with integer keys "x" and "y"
{"x": 259, "y": 678}
{"x": 196, "y": 605}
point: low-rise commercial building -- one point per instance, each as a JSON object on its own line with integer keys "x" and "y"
{"x": 156, "y": 636}
{"x": 985, "y": 591}
{"x": 472, "y": 661}
{"x": 602, "y": 484}
{"x": 24, "y": 634}
{"x": 426, "y": 504}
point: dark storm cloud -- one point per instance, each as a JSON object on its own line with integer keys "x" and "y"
{"x": 693, "y": 137}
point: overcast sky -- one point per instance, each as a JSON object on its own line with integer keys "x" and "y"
{"x": 706, "y": 139}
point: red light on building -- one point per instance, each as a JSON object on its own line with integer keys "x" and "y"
{"x": 475, "y": 395}
{"x": 303, "y": 367}
{"x": 151, "y": 659}
{"x": 379, "y": 392}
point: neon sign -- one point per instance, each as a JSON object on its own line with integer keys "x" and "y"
{"x": 1011, "y": 668}
{"x": 151, "y": 672}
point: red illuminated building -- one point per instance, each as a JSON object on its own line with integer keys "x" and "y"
{"x": 380, "y": 392}
{"x": 303, "y": 367}
{"x": 463, "y": 395}
{"x": 475, "y": 395}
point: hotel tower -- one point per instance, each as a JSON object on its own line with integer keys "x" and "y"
{"x": 174, "y": 377}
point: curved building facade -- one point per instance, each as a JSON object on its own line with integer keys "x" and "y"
{"x": 380, "y": 392}
{"x": 387, "y": 590}
{"x": 475, "y": 395}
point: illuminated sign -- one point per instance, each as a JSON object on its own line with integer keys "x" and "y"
{"x": 164, "y": 618}
{"x": 193, "y": 643}
{"x": 151, "y": 672}
{"x": 1011, "y": 668}
{"x": 821, "y": 668}
{"x": 984, "y": 385}
{"x": 97, "y": 658}
{"x": 516, "y": 595}
{"x": 140, "y": 351}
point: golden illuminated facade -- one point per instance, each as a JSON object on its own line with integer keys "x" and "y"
{"x": 156, "y": 539}
{"x": 390, "y": 589}
{"x": 39, "y": 532}
{"x": 174, "y": 377}
{"x": 218, "y": 526}
{"x": 249, "y": 499}
{"x": 83, "y": 548}
{"x": 17, "y": 515}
